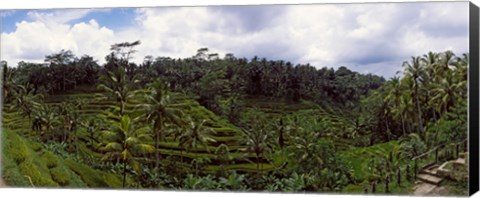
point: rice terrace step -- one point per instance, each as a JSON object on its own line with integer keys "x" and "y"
{"x": 430, "y": 179}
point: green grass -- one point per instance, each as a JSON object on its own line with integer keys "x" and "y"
{"x": 405, "y": 188}
{"x": 26, "y": 164}
{"x": 247, "y": 167}
{"x": 359, "y": 158}
{"x": 94, "y": 178}
{"x": 56, "y": 171}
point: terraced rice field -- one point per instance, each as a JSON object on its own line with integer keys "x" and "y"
{"x": 222, "y": 131}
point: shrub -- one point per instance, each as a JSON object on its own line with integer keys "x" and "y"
{"x": 113, "y": 180}
{"x": 10, "y": 172}
{"x": 36, "y": 146}
{"x": 17, "y": 148}
{"x": 60, "y": 175}
{"x": 94, "y": 178}
{"x": 50, "y": 159}
{"x": 37, "y": 177}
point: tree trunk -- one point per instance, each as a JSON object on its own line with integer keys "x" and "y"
{"x": 387, "y": 181}
{"x": 403, "y": 121}
{"x": 436, "y": 126}
{"x": 196, "y": 163}
{"x": 399, "y": 177}
{"x": 157, "y": 152}
{"x": 124, "y": 172}
{"x": 419, "y": 111}
{"x": 258, "y": 168}
{"x": 407, "y": 172}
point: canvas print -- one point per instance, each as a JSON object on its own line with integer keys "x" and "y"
{"x": 319, "y": 98}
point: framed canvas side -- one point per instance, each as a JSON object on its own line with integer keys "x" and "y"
{"x": 474, "y": 100}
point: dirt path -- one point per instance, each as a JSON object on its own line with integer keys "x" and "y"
{"x": 2, "y": 183}
{"x": 426, "y": 189}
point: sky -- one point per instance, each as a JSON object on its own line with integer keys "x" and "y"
{"x": 368, "y": 38}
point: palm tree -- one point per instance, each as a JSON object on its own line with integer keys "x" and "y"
{"x": 431, "y": 63}
{"x": 158, "y": 111}
{"x": 461, "y": 67}
{"x": 25, "y": 100}
{"x": 195, "y": 135}
{"x": 257, "y": 143}
{"x": 123, "y": 141}
{"x": 446, "y": 61}
{"x": 222, "y": 154}
{"x": 117, "y": 86}
{"x": 413, "y": 71}
{"x": 65, "y": 110}
{"x": 91, "y": 125}
{"x": 48, "y": 119}
{"x": 386, "y": 162}
{"x": 395, "y": 94}
{"x": 447, "y": 91}
{"x": 412, "y": 146}
{"x": 306, "y": 151}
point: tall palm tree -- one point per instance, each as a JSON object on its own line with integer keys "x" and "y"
{"x": 395, "y": 94}
{"x": 432, "y": 64}
{"x": 413, "y": 71}
{"x": 117, "y": 86}
{"x": 447, "y": 91}
{"x": 159, "y": 112}
{"x": 195, "y": 135}
{"x": 446, "y": 62}
{"x": 124, "y": 140}
{"x": 461, "y": 67}
{"x": 256, "y": 142}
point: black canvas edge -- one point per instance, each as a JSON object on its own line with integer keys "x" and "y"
{"x": 473, "y": 81}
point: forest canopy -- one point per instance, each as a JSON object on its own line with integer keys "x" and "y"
{"x": 210, "y": 122}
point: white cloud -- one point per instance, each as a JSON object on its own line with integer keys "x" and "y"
{"x": 362, "y": 36}
{"x": 32, "y": 41}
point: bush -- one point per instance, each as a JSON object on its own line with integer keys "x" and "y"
{"x": 94, "y": 178}
{"x": 60, "y": 175}
{"x": 36, "y": 146}
{"x": 50, "y": 159}
{"x": 66, "y": 177}
{"x": 37, "y": 177}
{"x": 10, "y": 172}
{"x": 17, "y": 148}
{"x": 113, "y": 180}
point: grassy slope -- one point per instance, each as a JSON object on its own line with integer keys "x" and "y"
{"x": 27, "y": 163}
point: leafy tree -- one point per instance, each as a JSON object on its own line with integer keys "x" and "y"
{"x": 256, "y": 137}
{"x": 49, "y": 120}
{"x": 118, "y": 87}
{"x": 413, "y": 72}
{"x": 159, "y": 112}
{"x": 196, "y": 134}
{"x": 25, "y": 100}
{"x": 395, "y": 95}
{"x": 92, "y": 126}
{"x": 124, "y": 140}
{"x": 8, "y": 82}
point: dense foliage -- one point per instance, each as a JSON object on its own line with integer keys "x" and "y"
{"x": 200, "y": 122}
